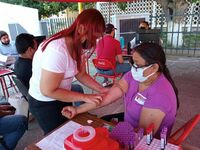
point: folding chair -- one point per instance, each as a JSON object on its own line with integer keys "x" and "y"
{"x": 22, "y": 89}
{"x": 105, "y": 64}
{"x": 181, "y": 134}
{"x": 6, "y": 73}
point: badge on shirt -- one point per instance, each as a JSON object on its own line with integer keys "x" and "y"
{"x": 140, "y": 99}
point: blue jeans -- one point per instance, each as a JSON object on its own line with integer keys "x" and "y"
{"x": 77, "y": 88}
{"x": 120, "y": 68}
{"x": 48, "y": 114}
{"x": 12, "y": 128}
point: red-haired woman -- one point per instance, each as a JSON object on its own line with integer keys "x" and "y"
{"x": 55, "y": 64}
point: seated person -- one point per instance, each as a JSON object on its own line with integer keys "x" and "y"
{"x": 109, "y": 48}
{"x": 12, "y": 127}
{"x": 7, "y": 47}
{"x": 143, "y": 25}
{"x": 26, "y": 46}
{"x": 150, "y": 95}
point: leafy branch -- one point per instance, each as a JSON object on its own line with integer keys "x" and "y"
{"x": 122, "y": 5}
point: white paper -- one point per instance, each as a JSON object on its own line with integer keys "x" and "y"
{"x": 7, "y": 59}
{"x": 55, "y": 141}
{"x": 3, "y": 58}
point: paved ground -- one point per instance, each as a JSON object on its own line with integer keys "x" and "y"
{"x": 186, "y": 73}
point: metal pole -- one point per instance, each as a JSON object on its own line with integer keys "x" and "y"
{"x": 80, "y": 7}
{"x": 109, "y": 9}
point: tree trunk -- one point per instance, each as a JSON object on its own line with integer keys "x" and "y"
{"x": 175, "y": 37}
{"x": 175, "y": 23}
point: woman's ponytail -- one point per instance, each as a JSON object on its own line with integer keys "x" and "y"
{"x": 169, "y": 78}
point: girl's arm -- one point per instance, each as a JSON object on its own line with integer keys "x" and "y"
{"x": 115, "y": 92}
{"x": 49, "y": 86}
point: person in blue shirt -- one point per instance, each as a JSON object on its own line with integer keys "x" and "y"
{"x": 12, "y": 127}
{"x": 7, "y": 47}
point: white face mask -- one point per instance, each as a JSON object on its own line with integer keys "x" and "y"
{"x": 137, "y": 73}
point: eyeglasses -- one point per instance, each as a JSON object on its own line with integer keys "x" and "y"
{"x": 135, "y": 65}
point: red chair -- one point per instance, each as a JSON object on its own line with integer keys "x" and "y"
{"x": 5, "y": 86}
{"x": 105, "y": 64}
{"x": 181, "y": 134}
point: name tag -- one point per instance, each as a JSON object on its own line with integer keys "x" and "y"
{"x": 139, "y": 98}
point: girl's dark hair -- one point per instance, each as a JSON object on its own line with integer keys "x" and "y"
{"x": 94, "y": 25}
{"x": 153, "y": 53}
{"x": 23, "y": 42}
{"x": 144, "y": 22}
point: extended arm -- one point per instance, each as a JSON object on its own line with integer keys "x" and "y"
{"x": 49, "y": 86}
{"x": 114, "y": 94}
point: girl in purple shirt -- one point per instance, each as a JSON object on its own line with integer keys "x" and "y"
{"x": 150, "y": 95}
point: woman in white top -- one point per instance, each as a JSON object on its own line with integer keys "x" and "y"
{"x": 55, "y": 64}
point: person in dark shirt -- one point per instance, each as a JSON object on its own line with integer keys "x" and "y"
{"x": 143, "y": 25}
{"x": 26, "y": 46}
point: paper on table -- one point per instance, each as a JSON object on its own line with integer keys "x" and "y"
{"x": 7, "y": 59}
{"x": 55, "y": 141}
{"x": 3, "y": 58}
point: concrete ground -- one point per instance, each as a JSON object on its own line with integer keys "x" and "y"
{"x": 186, "y": 74}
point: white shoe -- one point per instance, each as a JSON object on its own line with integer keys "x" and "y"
{"x": 107, "y": 83}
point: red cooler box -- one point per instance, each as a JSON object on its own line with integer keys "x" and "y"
{"x": 89, "y": 138}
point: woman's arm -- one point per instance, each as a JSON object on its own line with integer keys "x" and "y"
{"x": 120, "y": 59}
{"x": 6, "y": 110}
{"x": 115, "y": 92}
{"x": 49, "y": 86}
{"x": 149, "y": 116}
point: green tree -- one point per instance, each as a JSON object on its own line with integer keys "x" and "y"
{"x": 122, "y": 6}
{"x": 47, "y": 9}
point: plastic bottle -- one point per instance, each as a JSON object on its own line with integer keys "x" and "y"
{"x": 121, "y": 42}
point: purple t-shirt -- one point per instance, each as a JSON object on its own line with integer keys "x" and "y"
{"x": 160, "y": 95}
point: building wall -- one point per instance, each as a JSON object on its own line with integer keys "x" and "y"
{"x": 68, "y": 13}
{"x": 148, "y": 6}
{"x": 16, "y": 19}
